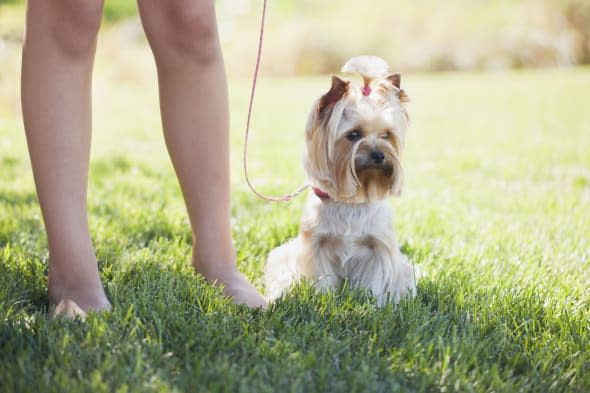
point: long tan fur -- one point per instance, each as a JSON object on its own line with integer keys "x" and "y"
{"x": 354, "y": 140}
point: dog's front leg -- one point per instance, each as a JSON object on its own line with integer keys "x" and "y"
{"x": 281, "y": 268}
{"x": 379, "y": 266}
{"x": 327, "y": 261}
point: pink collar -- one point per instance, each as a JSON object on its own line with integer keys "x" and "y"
{"x": 320, "y": 194}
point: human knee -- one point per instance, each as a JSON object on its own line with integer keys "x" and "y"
{"x": 76, "y": 24}
{"x": 189, "y": 30}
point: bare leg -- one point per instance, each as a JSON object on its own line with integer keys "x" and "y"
{"x": 58, "y": 54}
{"x": 194, "y": 106}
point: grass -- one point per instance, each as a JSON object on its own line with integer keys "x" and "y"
{"x": 495, "y": 212}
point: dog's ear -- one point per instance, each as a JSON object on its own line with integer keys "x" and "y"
{"x": 396, "y": 81}
{"x": 338, "y": 89}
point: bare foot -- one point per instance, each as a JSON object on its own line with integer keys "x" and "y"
{"x": 235, "y": 285}
{"x": 69, "y": 309}
{"x": 76, "y": 293}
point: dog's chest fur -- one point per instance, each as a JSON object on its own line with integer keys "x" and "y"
{"x": 350, "y": 238}
{"x": 353, "y": 221}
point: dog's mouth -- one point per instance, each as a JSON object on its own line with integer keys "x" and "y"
{"x": 377, "y": 177}
{"x": 364, "y": 171}
{"x": 363, "y": 166}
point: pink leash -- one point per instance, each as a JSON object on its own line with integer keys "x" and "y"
{"x": 284, "y": 198}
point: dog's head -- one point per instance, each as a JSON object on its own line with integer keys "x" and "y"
{"x": 355, "y": 135}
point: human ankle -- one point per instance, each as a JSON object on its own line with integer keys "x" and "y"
{"x": 80, "y": 284}
{"x": 213, "y": 272}
{"x": 214, "y": 265}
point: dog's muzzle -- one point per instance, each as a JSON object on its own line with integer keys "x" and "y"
{"x": 373, "y": 160}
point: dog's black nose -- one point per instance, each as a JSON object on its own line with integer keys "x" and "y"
{"x": 377, "y": 156}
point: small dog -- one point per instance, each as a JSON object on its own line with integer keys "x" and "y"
{"x": 354, "y": 137}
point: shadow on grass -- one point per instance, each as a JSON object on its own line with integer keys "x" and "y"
{"x": 23, "y": 284}
{"x": 170, "y": 330}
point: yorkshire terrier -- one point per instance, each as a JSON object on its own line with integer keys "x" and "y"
{"x": 354, "y": 139}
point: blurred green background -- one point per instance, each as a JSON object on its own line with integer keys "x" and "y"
{"x": 316, "y": 36}
{"x": 307, "y": 37}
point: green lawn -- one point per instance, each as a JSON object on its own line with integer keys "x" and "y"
{"x": 495, "y": 212}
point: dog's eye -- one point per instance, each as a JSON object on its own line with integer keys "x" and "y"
{"x": 354, "y": 136}
{"x": 386, "y": 135}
